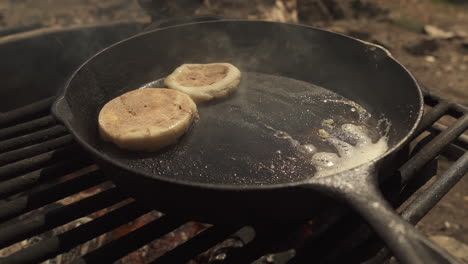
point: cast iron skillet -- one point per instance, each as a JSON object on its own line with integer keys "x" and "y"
{"x": 234, "y": 164}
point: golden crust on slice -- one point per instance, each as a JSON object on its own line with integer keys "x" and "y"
{"x": 204, "y": 82}
{"x": 147, "y": 119}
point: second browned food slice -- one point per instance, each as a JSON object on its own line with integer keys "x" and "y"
{"x": 204, "y": 82}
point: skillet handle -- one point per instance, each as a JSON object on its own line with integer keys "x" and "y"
{"x": 359, "y": 189}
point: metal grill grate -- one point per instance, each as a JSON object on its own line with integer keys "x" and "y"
{"x": 46, "y": 182}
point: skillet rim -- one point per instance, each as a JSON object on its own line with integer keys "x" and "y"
{"x": 217, "y": 186}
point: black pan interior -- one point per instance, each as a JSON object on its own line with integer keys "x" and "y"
{"x": 236, "y": 141}
{"x": 255, "y": 136}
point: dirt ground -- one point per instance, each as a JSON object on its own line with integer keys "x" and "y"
{"x": 439, "y": 62}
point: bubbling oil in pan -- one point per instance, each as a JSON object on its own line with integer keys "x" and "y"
{"x": 347, "y": 155}
{"x": 273, "y": 129}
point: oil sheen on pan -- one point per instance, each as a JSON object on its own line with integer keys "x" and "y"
{"x": 270, "y": 131}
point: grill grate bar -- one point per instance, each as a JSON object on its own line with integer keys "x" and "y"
{"x": 426, "y": 200}
{"x": 430, "y": 151}
{"x": 461, "y": 141}
{"x": 455, "y": 110}
{"x": 196, "y": 245}
{"x": 36, "y": 162}
{"x": 54, "y": 171}
{"x": 26, "y": 112}
{"x": 453, "y": 152}
{"x": 132, "y": 241}
{"x": 15, "y": 231}
{"x": 33, "y": 150}
{"x": 424, "y": 175}
{"x": 418, "y": 208}
{"x": 72, "y": 238}
{"x": 261, "y": 244}
{"x": 433, "y": 115}
{"x": 27, "y": 127}
{"x": 46, "y": 194}
{"x": 33, "y": 138}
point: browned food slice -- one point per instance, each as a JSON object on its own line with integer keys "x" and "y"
{"x": 204, "y": 82}
{"x": 147, "y": 119}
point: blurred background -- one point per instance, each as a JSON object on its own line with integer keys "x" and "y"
{"x": 430, "y": 37}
